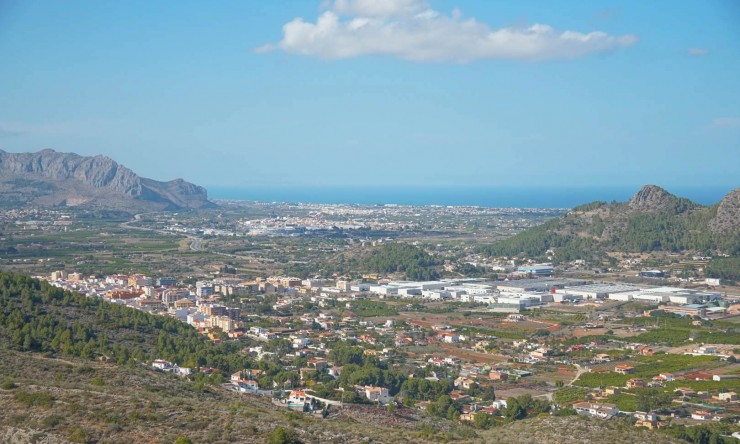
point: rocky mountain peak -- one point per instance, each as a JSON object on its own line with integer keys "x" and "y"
{"x": 728, "y": 213}
{"x": 650, "y": 197}
{"x": 97, "y": 179}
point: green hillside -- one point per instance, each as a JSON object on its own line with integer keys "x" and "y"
{"x": 653, "y": 220}
{"x": 35, "y": 316}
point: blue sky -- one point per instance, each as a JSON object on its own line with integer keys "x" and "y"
{"x": 382, "y": 92}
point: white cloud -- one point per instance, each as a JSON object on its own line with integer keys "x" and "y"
{"x": 410, "y": 30}
{"x": 378, "y": 8}
{"x": 697, "y": 51}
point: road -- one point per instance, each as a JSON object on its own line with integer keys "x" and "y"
{"x": 579, "y": 371}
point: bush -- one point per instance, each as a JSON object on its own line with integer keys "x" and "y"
{"x": 79, "y": 435}
{"x": 34, "y": 399}
{"x": 52, "y": 421}
{"x": 9, "y": 385}
{"x": 282, "y": 435}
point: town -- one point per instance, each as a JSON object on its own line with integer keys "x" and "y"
{"x": 476, "y": 350}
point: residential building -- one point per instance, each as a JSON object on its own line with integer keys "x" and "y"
{"x": 598, "y": 410}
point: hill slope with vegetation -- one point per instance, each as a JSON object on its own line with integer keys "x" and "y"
{"x": 653, "y": 220}
{"x": 36, "y": 316}
{"x": 55, "y": 390}
{"x": 59, "y": 401}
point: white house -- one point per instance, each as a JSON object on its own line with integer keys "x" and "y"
{"x": 604, "y": 410}
{"x": 377, "y": 394}
{"x": 161, "y": 364}
{"x": 297, "y": 398}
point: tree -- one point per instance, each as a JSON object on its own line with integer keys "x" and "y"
{"x": 489, "y": 393}
{"x": 514, "y": 410}
{"x": 183, "y": 440}
{"x": 483, "y": 420}
{"x": 282, "y": 435}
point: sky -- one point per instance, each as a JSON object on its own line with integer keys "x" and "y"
{"x": 391, "y": 93}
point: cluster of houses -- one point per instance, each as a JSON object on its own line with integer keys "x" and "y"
{"x": 309, "y": 332}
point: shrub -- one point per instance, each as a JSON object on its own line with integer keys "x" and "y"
{"x": 52, "y": 421}
{"x": 282, "y": 435}
{"x": 34, "y": 399}
{"x": 9, "y": 385}
{"x": 79, "y": 435}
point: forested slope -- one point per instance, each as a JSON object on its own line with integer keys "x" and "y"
{"x": 653, "y": 220}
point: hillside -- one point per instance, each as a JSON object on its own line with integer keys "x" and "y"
{"x": 37, "y": 317}
{"x": 49, "y": 178}
{"x": 58, "y": 401}
{"x": 652, "y": 220}
{"x": 55, "y": 388}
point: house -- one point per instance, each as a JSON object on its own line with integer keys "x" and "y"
{"x": 701, "y": 415}
{"x": 245, "y": 375}
{"x": 602, "y": 357}
{"x": 647, "y": 419}
{"x": 497, "y": 375}
{"x": 161, "y": 364}
{"x": 465, "y": 383}
{"x": 450, "y": 338}
{"x": 635, "y": 383}
{"x": 727, "y": 397}
{"x": 422, "y": 405}
{"x": 437, "y": 362}
{"x": 541, "y": 354}
{"x": 645, "y": 416}
{"x": 319, "y": 363}
{"x": 182, "y": 371}
{"x": 596, "y": 410}
{"x": 667, "y": 377}
{"x": 499, "y": 403}
{"x": 458, "y": 396}
{"x": 377, "y": 394}
{"x": 686, "y": 391}
{"x": 247, "y": 386}
{"x": 335, "y": 372}
{"x": 297, "y": 398}
{"x": 624, "y": 369}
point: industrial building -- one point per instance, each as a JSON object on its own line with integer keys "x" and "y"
{"x": 541, "y": 285}
{"x": 597, "y": 291}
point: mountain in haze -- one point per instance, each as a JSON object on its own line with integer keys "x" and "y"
{"x": 652, "y": 220}
{"x": 50, "y": 178}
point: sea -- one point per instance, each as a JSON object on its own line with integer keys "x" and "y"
{"x": 494, "y": 197}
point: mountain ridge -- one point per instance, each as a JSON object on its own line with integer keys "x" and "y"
{"x": 652, "y": 220}
{"x": 51, "y": 178}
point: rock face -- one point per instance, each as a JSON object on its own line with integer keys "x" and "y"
{"x": 651, "y": 198}
{"x": 727, "y": 218}
{"x": 51, "y": 178}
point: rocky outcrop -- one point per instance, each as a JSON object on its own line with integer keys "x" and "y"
{"x": 651, "y": 198}
{"x": 727, "y": 218}
{"x": 53, "y": 178}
